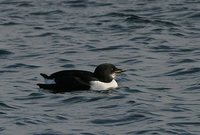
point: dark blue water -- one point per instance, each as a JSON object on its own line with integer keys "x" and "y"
{"x": 158, "y": 42}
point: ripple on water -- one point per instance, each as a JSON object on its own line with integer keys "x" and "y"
{"x": 165, "y": 23}
{"x": 120, "y": 121}
{"x": 68, "y": 66}
{"x": 25, "y": 4}
{"x": 8, "y": 71}
{"x": 154, "y": 132}
{"x": 184, "y": 124}
{"x": 9, "y": 23}
{"x": 162, "y": 48}
{"x": 21, "y": 65}
{"x": 75, "y": 99}
{"x": 4, "y": 106}
{"x": 26, "y": 121}
{"x": 2, "y": 128}
{"x": 195, "y": 15}
{"x": 31, "y": 96}
{"x": 50, "y": 132}
{"x": 44, "y": 34}
{"x": 81, "y": 3}
{"x": 43, "y": 13}
{"x": 182, "y": 71}
{"x": 4, "y": 52}
{"x": 137, "y": 19}
{"x": 109, "y": 48}
{"x": 195, "y": 87}
{"x": 188, "y": 60}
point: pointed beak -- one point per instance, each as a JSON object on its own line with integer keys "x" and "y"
{"x": 117, "y": 70}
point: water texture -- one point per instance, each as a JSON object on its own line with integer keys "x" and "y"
{"x": 157, "y": 42}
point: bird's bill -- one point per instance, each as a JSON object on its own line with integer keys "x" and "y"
{"x": 119, "y": 70}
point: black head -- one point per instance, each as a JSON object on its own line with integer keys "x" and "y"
{"x": 106, "y": 72}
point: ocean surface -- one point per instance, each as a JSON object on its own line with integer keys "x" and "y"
{"x": 156, "y": 41}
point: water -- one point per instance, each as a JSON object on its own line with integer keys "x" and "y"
{"x": 157, "y": 42}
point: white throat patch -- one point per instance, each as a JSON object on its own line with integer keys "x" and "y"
{"x": 97, "y": 85}
{"x": 113, "y": 75}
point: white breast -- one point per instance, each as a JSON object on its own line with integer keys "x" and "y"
{"x": 97, "y": 85}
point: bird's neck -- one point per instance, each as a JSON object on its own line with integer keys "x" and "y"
{"x": 105, "y": 79}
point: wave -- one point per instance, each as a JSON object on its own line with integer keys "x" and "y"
{"x": 21, "y": 65}
{"x": 5, "y": 52}
{"x": 182, "y": 71}
{"x": 45, "y": 13}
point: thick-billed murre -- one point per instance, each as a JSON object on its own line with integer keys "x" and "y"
{"x": 72, "y": 80}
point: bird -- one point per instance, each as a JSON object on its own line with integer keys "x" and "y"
{"x": 103, "y": 78}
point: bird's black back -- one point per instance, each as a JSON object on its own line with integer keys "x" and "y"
{"x": 69, "y": 80}
{"x": 86, "y": 75}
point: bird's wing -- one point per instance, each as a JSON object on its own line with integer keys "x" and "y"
{"x": 72, "y": 82}
{"x": 66, "y": 84}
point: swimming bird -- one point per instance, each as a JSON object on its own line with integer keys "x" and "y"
{"x": 102, "y": 78}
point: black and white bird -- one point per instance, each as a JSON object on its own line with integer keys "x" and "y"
{"x": 73, "y": 80}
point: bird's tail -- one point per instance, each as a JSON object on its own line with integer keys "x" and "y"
{"x": 44, "y": 75}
